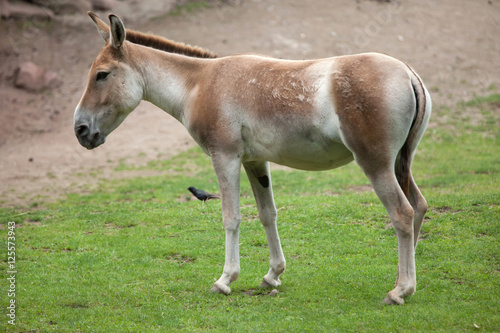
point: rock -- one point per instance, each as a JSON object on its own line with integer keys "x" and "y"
{"x": 51, "y": 80}
{"x": 29, "y": 76}
{"x": 35, "y": 78}
{"x": 25, "y": 10}
{"x": 103, "y": 4}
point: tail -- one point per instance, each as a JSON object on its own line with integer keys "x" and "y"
{"x": 415, "y": 134}
{"x": 213, "y": 196}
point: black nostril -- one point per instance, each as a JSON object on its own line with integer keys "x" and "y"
{"x": 94, "y": 136}
{"x": 82, "y": 130}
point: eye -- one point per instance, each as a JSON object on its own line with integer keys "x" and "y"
{"x": 101, "y": 76}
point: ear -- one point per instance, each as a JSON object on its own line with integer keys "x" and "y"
{"x": 117, "y": 31}
{"x": 100, "y": 25}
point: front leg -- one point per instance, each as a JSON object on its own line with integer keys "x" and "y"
{"x": 227, "y": 168}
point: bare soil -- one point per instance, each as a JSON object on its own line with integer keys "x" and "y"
{"x": 452, "y": 44}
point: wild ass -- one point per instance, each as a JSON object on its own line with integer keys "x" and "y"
{"x": 249, "y": 109}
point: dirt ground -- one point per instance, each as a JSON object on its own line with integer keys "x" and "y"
{"x": 453, "y": 44}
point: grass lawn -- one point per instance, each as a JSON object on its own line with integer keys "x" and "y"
{"x": 136, "y": 256}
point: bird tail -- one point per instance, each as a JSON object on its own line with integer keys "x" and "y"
{"x": 213, "y": 196}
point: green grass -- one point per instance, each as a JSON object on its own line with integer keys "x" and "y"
{"x": 189, "y": 8}
{"x": 135, "y": 256}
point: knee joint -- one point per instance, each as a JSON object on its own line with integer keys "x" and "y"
{"x": 232, "y": 223}
{"x": 422, "y": 206}
{"x": 403, "y": 219}
{"x": 268, "y": 217}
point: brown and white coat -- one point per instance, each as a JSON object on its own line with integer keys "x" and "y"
{"x": 250, "y": 109}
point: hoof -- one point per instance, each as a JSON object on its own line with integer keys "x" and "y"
{"x": 220, "y": 289}
{"x": 391, "y": 299}
{"x": 264, "y": 284}
{"x": 269, "y": 283}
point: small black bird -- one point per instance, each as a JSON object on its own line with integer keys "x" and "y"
{"x": 202, "y": 195}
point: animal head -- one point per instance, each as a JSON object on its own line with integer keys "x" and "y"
{"x": 113, "y": 89}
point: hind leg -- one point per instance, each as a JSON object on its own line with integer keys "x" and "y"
{"x": 402, "y": 214}
{"x": 419, "y": 205}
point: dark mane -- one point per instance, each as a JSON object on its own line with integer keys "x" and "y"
{"x": 166, "y": 45}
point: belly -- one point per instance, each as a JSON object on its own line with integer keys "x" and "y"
{"x": 309, "y": 150}
{"x": 312, "y": 159}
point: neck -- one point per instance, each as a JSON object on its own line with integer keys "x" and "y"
{"x": 168, "y": 78}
